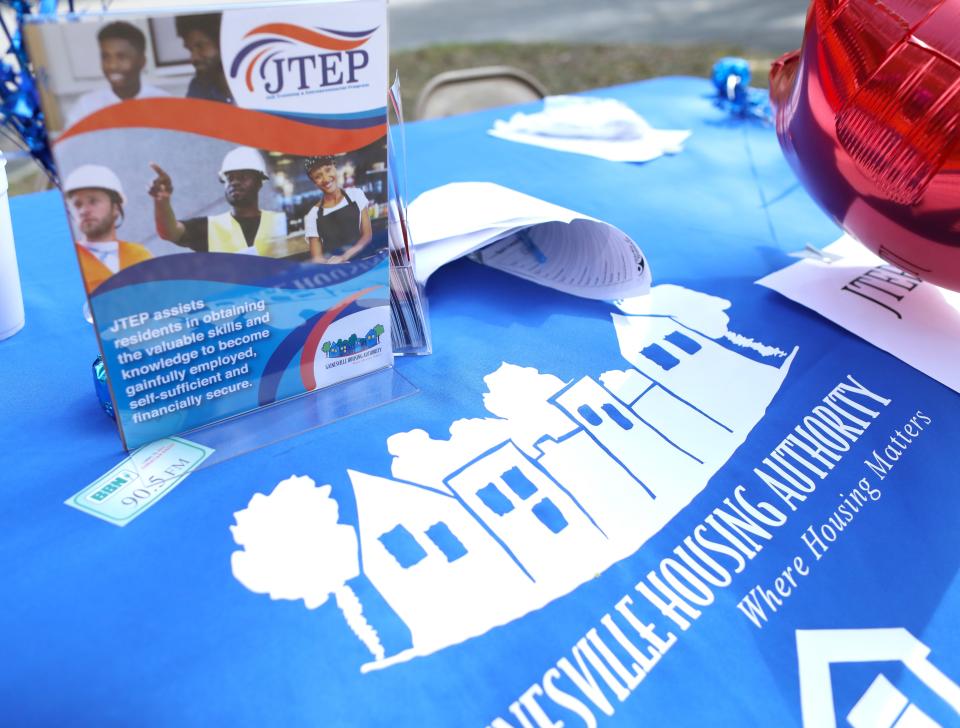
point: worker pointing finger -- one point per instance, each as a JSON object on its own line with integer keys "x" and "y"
{"x": 162, "y": 185}
{"x": 245, "y": 228}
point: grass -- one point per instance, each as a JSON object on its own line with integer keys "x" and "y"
{"x": 565, "y": 68}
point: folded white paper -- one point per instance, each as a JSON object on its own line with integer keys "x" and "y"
{"x": 917, "y": 322}
{"x": 527, "y": 237}
{"x": 604, "y": 128}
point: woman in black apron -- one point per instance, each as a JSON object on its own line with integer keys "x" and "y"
{"x": 338, "y": 226}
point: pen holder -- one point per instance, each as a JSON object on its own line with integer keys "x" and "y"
{"x": 410, "y": 322}
{"x": 11, "y": 296}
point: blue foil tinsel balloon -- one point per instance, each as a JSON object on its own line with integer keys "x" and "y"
{"x": 731, "y": 79}
{"x": 19, "y": 100}
{"x": 100, "y": 384}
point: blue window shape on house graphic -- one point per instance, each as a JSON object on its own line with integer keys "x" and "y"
{"x": 594, "y": 420}
{"x": 403, "y": 547}
{"x": 587, "y": 412}
{"x": 519, "y": 483}
{"x": 549, "y": 515}
{"x": 545, "y": 511}
{"x": 494, "y": 499}
{"x": 683, "y": 342}
{"x": 617, "y": 416}
{"x": 443, "y": 538}
{"x": 660, "y": 356}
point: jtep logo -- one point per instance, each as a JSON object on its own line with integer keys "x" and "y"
{"x": 269, "y": 57}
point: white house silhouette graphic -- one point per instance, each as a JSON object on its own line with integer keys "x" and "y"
{"x": 516, "y": 510}
{"x": 882, "y": 705}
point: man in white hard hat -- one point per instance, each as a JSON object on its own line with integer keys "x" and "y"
{"x": 245, "y": 228}
{"x": 95, "y": 199}
{"x": 122, "y": 59}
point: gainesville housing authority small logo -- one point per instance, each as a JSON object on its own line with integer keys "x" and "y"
{"x": 270, "y": 58}
{"x": 354, "y": 345}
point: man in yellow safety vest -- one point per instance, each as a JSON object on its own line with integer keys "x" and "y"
{"x": 245, "y": 228}
{"x": 95, "y": 200}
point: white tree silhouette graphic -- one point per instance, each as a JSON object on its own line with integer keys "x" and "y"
{"x": 294, "y": 548}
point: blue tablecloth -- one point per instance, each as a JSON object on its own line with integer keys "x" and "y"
{"x": 463, "y": 612}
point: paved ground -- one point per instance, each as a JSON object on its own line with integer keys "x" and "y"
{"x": 770, "y": 25}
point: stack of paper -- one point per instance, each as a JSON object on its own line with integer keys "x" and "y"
{"x": 526, "y": 237}
{"x": 604, "y": 128}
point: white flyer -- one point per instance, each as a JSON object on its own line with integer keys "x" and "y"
{"x": 917, "y": 322}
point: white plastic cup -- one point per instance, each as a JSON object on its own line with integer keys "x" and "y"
{"x": 11, "y": 296}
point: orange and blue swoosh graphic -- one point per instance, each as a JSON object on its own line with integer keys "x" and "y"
{"x": 305, "y": 135}
{"x": 259, "y": 52}
{"x": 305, "y": 340}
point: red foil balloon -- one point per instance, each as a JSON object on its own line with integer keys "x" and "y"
{"x": 868, "y": 113}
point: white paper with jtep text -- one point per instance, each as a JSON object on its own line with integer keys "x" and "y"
{"x": 917, "y": 322}
{"x": 527, "y": 237}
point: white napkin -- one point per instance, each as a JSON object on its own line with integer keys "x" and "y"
{"x": 605, "y": 128}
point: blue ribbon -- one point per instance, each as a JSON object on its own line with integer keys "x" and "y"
{"x": 731, "y": 79}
